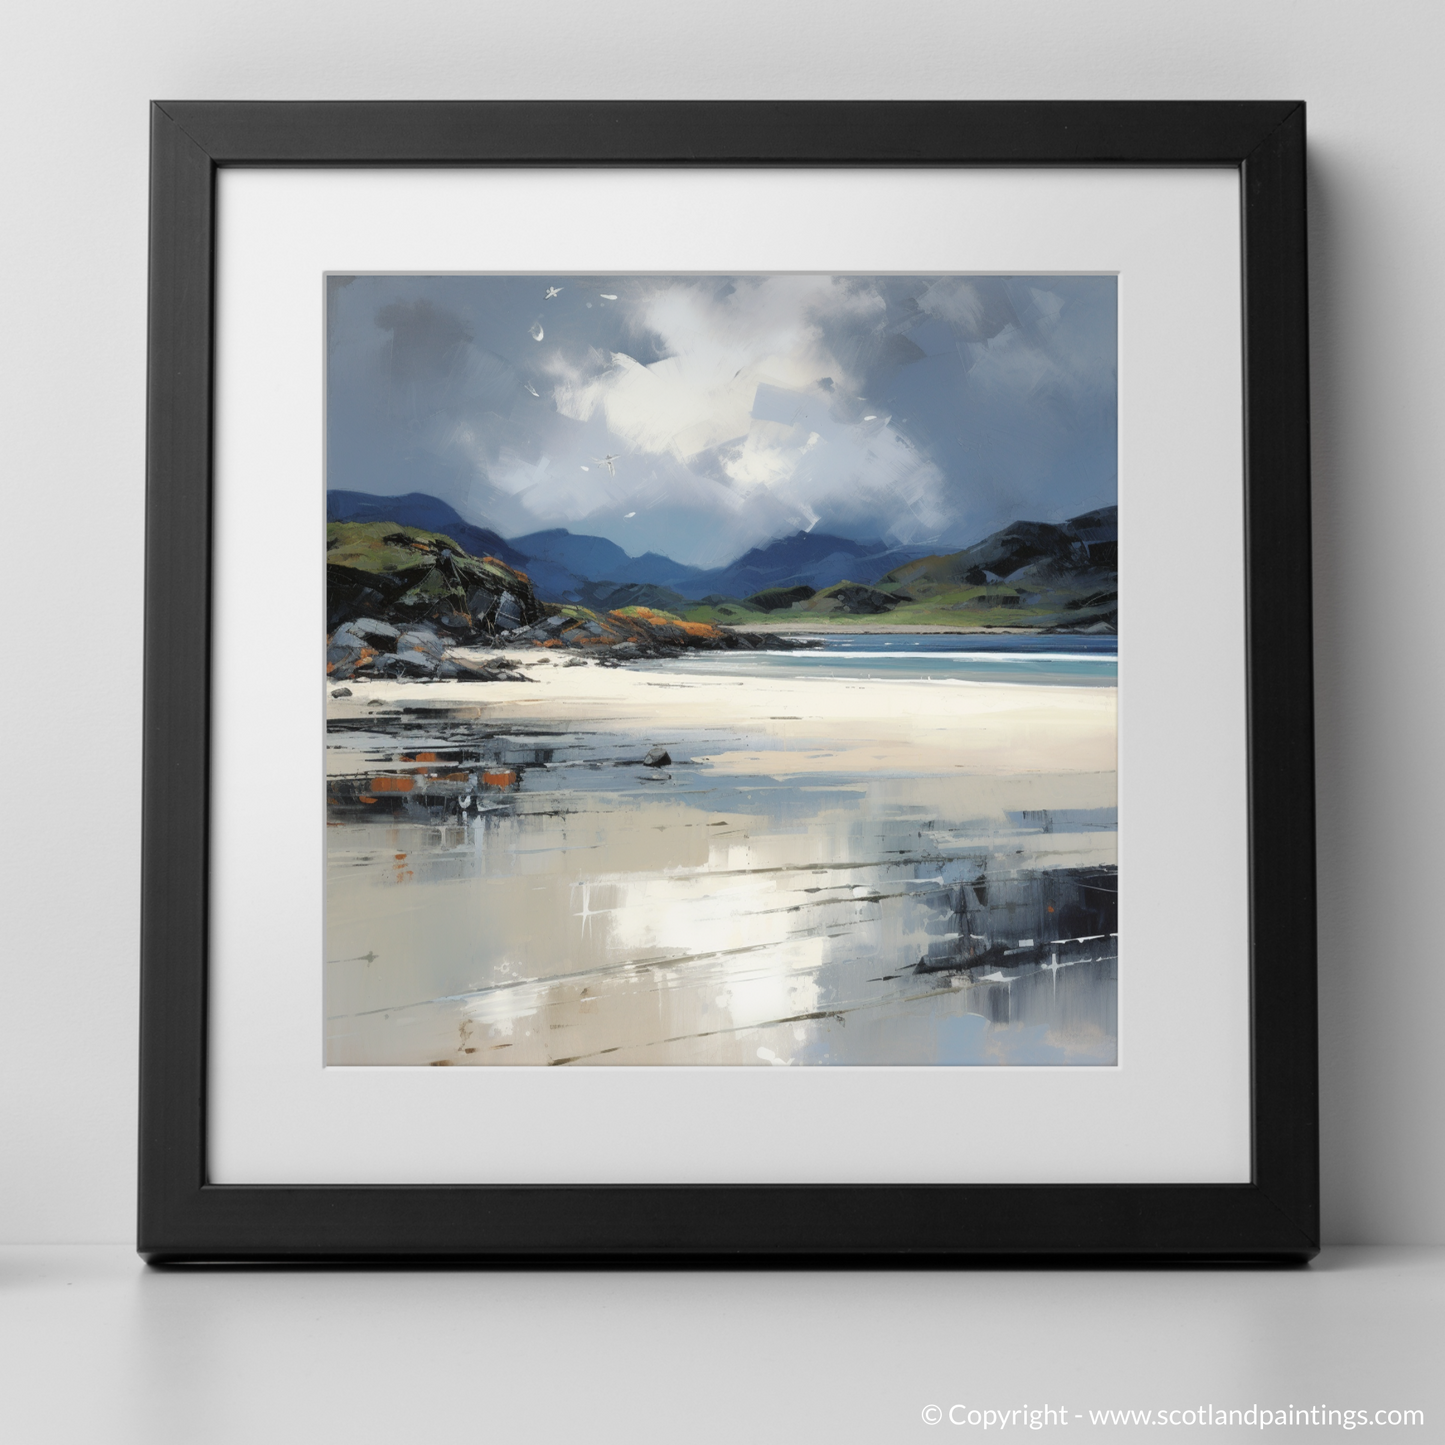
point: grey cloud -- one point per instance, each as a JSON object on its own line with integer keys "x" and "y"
{"x": 426, "y": 340}
{"x": 994, "y": 397}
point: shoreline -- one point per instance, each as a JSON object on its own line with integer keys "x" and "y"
{"x": 918, "y": 629}
{"x": 794, "y": 725}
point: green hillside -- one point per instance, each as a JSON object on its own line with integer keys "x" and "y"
{"x": 406, "y": 574}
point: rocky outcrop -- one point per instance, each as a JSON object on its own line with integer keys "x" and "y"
{"x": 775, "y": 599}
{"x": 405, "y": 603}
{"x": 417, "y": 653}
{"x": 400, "y": 577}
{"x": 634, "y": 632}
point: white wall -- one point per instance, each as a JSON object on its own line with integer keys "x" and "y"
{"x": 75, "y": 78}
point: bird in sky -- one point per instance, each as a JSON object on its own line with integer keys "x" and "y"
{"x": 609, "y": 461}
{"x": 607, "y": 296}
{"x": 628, "y": 514}
{"x": 537, "y": 331}
{"x": 532, "y": 389}
{"x": 551, "y": 292}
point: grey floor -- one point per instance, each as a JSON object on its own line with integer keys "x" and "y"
{"x": 94, "y": 1347}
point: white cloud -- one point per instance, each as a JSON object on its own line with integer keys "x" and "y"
{"x": 739, "y": 382}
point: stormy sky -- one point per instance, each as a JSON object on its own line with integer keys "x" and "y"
{"x": 917, "y": 410}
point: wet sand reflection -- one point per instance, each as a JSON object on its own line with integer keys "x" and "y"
{"x": 532, "y": 893}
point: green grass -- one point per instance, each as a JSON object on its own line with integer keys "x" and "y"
{"x": 941, "y": 606}
{"x": 374, "y": 547}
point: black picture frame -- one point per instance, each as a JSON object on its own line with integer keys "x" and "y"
{"x": 182, "y": 1216}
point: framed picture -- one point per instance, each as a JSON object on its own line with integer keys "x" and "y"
{"x": 728, "y": 681}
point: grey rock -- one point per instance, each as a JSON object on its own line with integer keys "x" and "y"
{"x": 347, "y": 636}
{"x": 340, "y": 692}
{"x": 483, "y": 671}
{"x": 421, "y": 640}
{"x": 374, "y": 633}
{"x": 657, "y": 758}
{"x": 508, "y": 614}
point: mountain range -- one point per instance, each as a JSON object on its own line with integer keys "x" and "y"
{"x": 806, "y": 559}
{"x": 565, "y": 566}
{"x": 1042, "y": 573}
{"x": 1059, "y": 576}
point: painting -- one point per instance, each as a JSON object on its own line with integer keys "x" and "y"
{"x": 721, "y": 670}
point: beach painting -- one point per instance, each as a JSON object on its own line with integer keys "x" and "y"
{"x": 721, "y": 671}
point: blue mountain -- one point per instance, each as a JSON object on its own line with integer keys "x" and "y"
{"x": 417, "y": 509}
{"x": 811, "y": 559}
{"x": 596, "y": 559}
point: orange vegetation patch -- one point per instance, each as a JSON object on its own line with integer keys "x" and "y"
{"x": 651, "y": 617}
{"x": 502, "y": 778}
{"x": 392, "y": 785}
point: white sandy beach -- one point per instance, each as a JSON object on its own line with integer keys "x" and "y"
{"x": 869, "y": 726}
{"x": 762, "y": 899}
